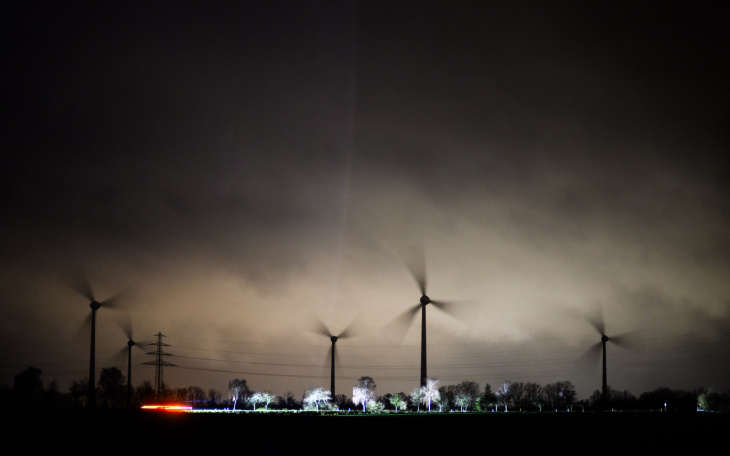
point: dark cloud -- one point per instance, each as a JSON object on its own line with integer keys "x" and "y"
{"x": 244, "y": 166}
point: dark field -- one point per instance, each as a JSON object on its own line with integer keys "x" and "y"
{"x": 594, "y": 433}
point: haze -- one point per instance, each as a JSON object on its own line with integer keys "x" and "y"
{"x": 243, "y": 169}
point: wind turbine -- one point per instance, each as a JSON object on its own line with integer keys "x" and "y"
{"x": 416, "y": 262}
{"x": 126, "y": 325}
{"x": 622, "y": 340}
{"x": 80, "y": 284}
{"x": 323, "y": 330}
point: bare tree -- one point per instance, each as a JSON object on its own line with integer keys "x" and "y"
{"x": 363, "y": 392}
{"x": 463, "y": 400}
{"x": 534, "y": 395}
{"x": 196, "y": 395}
{"x": 261, "y": 398}
{"x": 468, "y": 388}
{"x": 316, "y": 397}
{"x": 430, "y": 392}
{"x": 417, "y": 398}
{"x": 214, "y": 397}
{"x": 237, "y": 389}
{"x": 503, "y": 394}
{"x": 517, "y": 394}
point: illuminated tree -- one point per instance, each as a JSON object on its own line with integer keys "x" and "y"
{"x": 430, "y": 392}
{"x": 316, "y": 397}
{"x": 363, "y": 392}
{"x": 504, "y": 393}
{"x": 487, "y": 399}
{"x": 468, "y": 388}
{"x": 417, "y": 397}
{"x": 463, "y": 400}
{"x": 261, "y": 398}
{"x": 375, "y": 406}
{"x": 237, "y": 389}
{"x": 398, "y": 401}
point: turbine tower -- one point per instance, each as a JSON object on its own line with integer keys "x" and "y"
{"x": 323, "y": 330}
{"x": 415, "y": 260}
{"x": 79, "y": 283}
{"x": 624, "y": 340}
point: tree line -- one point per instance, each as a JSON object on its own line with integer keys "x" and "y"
{"x": 112, "y": 391}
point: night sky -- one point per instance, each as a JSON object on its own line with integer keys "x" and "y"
{"x": 242, "y": 170}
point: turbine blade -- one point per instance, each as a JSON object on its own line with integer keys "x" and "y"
{"x": 397, "y": 327}
{"x": 596, "y": 320}
{"x": 118, "y": 300}
{"x": 317, "y": 326}
{"x": 592, "y": 354}
{"x": 352, "y": 330}
{"x": 465, "y": 311}
{"x": 415, "y": 259}
{"x": 76, "y": 279}
{"x": 629, "y": 341}
{"x": 124, "y": 320}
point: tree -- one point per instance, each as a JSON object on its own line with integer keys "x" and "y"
{"x": 363, "y": 392}
{"x": 79, "y": 392}
{"x": 430, "y": 392}
{"x": 196, "y": 395}
{"x": 291, "y": 402}
{"x": 316, "y": 397}
{"x": 145, "y": 393}
{"x": 237, "y": 389}
{"x": 463, "y": 400}
{"x": 398, "y": 400}
{"x": 28, "y": 387}
{"x": 214, "y": 397}
{"x": 375, "y": 406}
{"x": 560, "y": 395}
{"x": 180, "y": 394}
{"x": 517, "y": 395}
{"x": 417, "y": 398}
{"x": 533, "y": 395}
{"x": 469, "y": 389}
{"x": 112, "y": 388}
{"x": 487, "y": 399}
{"x": 261, "y": 398}
{"x": 503, "y": 394}
{"x": 343, "y": 402}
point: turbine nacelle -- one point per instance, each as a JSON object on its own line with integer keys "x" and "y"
{"x": 95, "y": 305}
{"x": 425, "y": 300}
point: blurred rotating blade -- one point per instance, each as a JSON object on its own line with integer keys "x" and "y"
{"x": 396, "y": 329}
{"x": 596, "y": 320}
{"x": 415, "y": 259}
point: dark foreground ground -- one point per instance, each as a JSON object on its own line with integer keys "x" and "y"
{"x": 573, "y": 433}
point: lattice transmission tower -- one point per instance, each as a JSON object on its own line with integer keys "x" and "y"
{"x": 159, "y": 363}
